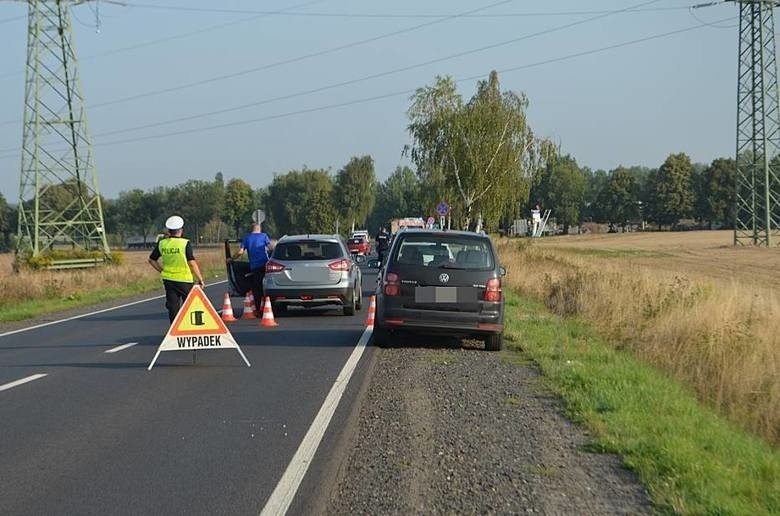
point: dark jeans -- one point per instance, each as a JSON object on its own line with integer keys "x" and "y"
{"x": 381, "y": 253}
{"x": 256, "y": 278}
{"x": 175, "y": 294}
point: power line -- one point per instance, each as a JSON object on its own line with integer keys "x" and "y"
{"x": 400, "y": 93}
{"x": 369, "y": 77}
{"x": 391, "y": 15}
{"x": 362, "y": 79}
{"x": 8, "y": 20}
{"x": 174, "y": 37}
{"x": 290, "y": 60}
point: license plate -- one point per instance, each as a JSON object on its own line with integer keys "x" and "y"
{"x": 436, "y": 295}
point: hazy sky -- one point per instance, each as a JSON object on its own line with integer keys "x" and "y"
{"x": 631, "y": 105}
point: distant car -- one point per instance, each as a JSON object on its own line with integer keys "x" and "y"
{"x": 440, "y": 282}
{"x": 313, "y": 270}
{"x": 361, "y": 233}
{"x": 359, "y": 245}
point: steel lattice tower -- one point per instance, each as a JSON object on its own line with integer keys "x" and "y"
{"x": 59, "y": 201}
{"x": 757, "y": 199}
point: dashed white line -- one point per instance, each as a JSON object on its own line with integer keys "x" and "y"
{"x": 22, "y": 381}
{"x": 283, "y": 495}
{"x": 120, "y": 348}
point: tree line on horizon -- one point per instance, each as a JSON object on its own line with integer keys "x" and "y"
{"x": 478, "y": 154}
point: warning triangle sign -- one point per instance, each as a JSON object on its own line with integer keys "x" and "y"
{"x": 197, "y": 326}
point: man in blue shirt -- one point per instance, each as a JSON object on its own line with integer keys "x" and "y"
{"x": 257, "y": 245}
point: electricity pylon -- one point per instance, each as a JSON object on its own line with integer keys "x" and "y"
{"x": 757, "y": 199}
{"x": 59, "y": 200}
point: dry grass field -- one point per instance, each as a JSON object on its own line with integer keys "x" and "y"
{"x": 47, "y": 285}
{"x": 689, "y": 303}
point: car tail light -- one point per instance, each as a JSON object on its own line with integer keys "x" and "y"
{"x": 392, "y": 286}
{"x": 273, "y": 266}
{"x": 341, "y": 265}
{"x": 493, "y": 291}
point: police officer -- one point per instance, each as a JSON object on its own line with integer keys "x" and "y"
{"x": 382, "y": 243}
{"x": 178, "y": 265}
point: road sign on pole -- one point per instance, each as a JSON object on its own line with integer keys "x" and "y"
{"x": 258, "y": 216}
{"x": 442, "y": 208}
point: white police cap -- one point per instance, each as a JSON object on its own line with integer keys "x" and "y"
{"x": 174, "y": 223}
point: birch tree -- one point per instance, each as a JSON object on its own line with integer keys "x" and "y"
{"x": 479, "y": 155}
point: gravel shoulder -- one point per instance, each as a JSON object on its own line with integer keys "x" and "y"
{"x": 462, "y": 431}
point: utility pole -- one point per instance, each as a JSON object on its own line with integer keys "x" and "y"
{"x": 59, "y": 200}
{"x": 757, "y": 196}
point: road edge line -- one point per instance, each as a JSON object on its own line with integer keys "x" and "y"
{"x": 73, "y": 318}
{"x": 282, "y": 496}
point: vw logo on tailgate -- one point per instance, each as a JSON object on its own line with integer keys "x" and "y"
{"x": 444, "y": 277}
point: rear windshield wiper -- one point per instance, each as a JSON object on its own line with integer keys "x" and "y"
{"x": 451, "y": 266}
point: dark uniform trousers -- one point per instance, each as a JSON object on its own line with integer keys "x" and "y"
{"x": 175, "y": 294}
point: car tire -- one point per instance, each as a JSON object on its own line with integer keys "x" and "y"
{"x": 494, "y": 342}
{"x": 381, "y": 337}
{"x": 279, "y": 309}
{"x": 349, "y": 308}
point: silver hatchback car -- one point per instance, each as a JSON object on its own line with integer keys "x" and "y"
{"x": 313, "y": 270}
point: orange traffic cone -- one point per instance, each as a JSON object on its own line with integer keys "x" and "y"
{"x": 249, "y": 307}
{"x": 227, "y": 309}
{"x": 268, "y": 314}
{"x": 371, "y": 311}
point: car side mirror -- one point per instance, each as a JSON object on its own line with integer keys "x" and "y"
{"x": 502, "y": 271}
{"x": 373, "y": 263}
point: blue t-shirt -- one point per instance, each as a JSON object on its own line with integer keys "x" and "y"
{"x": 256, "y": 245}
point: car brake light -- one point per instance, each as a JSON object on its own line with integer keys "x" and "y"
{"x": 493, "y": 291}
{"x": 392, "y": 286}
{"x": 272, "y": 267}
{"x": 341, "y": 265}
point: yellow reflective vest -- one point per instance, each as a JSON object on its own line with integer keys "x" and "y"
{"x": 174, "y": 258}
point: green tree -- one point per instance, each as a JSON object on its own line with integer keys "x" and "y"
{"x": 596, "y": 182}
{"x": 139, "y": 212}
{"x": 674, "y": 196}
{"x": 355, "y": 190}
{"x": 197, "y": 202}
{"x": 620, "y": 201}
{"x": 715, "y": 192}
{"x": 561, "y": 188}
{"x": 301, "y": 201}
{"x": 481, "y": 154}
{"x": 6, "y": 223}
{"x": 239, "y": 204}
{"x": 399, "y": 196}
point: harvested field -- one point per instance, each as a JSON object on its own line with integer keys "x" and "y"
{"x": 708, "y": 255}
{"x": 688, "y": 303}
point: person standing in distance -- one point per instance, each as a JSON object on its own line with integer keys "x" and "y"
{"x": 257, "y": 245}
{"x": 178, "y": 265}
{"x": 382, "y": 243}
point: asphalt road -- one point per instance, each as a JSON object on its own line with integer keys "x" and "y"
{"x": 99, "y": 434}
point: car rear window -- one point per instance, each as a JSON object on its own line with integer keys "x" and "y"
{"x": 444, "y": 251}
{"x": 307, "y": 250}
{"x": 359, "y": 240}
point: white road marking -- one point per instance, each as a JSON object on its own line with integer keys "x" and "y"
{"x": 285, "y": 490}
{"x": 92, "y": 313}
{"x": 120, "y": 348}
{"x": 22, "y": 381}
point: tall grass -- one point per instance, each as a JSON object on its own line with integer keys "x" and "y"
{"x": 720, "y": 339}
{"x": 36, "y": 289}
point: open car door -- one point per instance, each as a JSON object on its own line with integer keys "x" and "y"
{"x": 237, "y": 271}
